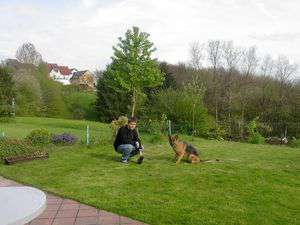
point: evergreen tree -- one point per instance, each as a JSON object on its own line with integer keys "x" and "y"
{"x": 7, "y": 92}
{"x": 111, "y": 102}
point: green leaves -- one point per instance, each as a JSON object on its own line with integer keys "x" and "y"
{"x": 132, "y": 67}
{"x": 7, "y": 91}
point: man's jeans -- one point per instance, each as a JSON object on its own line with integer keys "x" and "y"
{"x": 127, "y": 151}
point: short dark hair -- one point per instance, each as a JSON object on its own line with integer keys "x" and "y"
{"x": 132, "y": 119}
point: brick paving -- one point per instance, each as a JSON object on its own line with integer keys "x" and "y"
{"x": 60, "y": 211}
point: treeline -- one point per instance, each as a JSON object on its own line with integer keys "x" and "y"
{"x": 34, "y": 93}
{"x": 220, "y": 92}
{"x": 223, "y": 91}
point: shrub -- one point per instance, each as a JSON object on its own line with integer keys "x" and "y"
{"x": 185, "y": 109}
{"x": 156, "y": 128}
{"x": 295, "y": 143}
{"x": 254, "y": 136}
{"x": 39, "y": 137}
{"x": 80, "y": 105}
{"x": 13, "y": 147}
{"x": 64, "y": 139}
{"x": 116, "y": 124}
{"x": 218, "y": 132}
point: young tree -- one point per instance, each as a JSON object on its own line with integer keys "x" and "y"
{"x": 27, "y": 53}
{"x": 132, "y": 67}
{"x": 196, "y": 55}
{"x": 231, "y": 56}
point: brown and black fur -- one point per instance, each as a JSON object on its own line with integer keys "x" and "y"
{"x": 183, "y": 149}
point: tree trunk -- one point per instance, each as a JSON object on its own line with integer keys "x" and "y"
{"x": 216, "y": 110}
{"x": 133, "y": 102}
{"x": 194, "y": 106}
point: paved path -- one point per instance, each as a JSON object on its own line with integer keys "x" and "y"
{"x": 62, "y": 211}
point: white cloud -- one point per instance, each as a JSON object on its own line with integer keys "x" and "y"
{"x": 81, "y": 33}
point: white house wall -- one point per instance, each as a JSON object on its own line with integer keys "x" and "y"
{"x": 57, "y": 76}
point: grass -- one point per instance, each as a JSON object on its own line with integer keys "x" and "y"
{"x": 256, "y": 184}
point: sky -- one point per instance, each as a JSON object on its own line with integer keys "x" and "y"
{"x": 81, "y": 33}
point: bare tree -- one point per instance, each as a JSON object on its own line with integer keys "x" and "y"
{"x": 214, "y": 53}
{"x": 248, "y": 66}
{"x": 231, "y": 56}
{"x": 27, "y": 53}
{"x": 214, "y": 56}
{"x": 249, "y": 61}
{"x": 267, "y": 66}
{"x": 284, "y": 69}
{"x": 197, "y": 55}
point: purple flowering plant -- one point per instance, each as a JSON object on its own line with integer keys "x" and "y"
{"x": 63, "y": 138}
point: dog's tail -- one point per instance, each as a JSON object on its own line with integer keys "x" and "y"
{"x": 210, "y": 161}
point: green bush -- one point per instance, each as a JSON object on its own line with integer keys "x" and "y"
{"x": 116, "y": 124}
{"x": 256, "y": 138}
{"x": 156, "y": 128}
{"x": 14, "y": 147}
{"x": 80, "y": 105}
{"x": 295, "y": 143}
{"x": 185, "y": 109}
{"x": 39, "y": 137}
{"x": 218, "y": 132}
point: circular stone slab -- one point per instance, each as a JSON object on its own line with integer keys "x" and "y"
{"x": 19, "y": 205}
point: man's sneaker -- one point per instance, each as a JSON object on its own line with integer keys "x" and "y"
{"x": 140, "y": 160}
{"x": 124, "y": 161}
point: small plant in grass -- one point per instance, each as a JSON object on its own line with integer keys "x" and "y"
{"x": 63, "y": 139}
{"x": 13, "y": 147}
{"x": 39, "y": 137}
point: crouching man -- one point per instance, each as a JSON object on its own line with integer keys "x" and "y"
{"x": 128, "y": 143}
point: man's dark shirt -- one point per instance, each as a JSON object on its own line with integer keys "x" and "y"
{"x": 126, "y": 136}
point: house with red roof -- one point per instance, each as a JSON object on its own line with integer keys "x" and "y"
{"x": 61, "y": 74}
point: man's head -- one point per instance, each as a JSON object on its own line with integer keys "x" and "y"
{"x": 132, "y": 123}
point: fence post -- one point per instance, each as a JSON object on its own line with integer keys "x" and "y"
{"x": 87, "y": 135}
{"x": 169, "y": 131}
{"x": 13, "y": 103}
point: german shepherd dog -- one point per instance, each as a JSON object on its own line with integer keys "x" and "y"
{"x": 183, "y": 149}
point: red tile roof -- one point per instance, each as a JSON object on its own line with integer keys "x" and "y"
{"x": 64, "y": 70}
{"x": 51, "y": 66}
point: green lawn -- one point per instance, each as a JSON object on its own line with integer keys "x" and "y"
{"x": 256, "y": 184}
